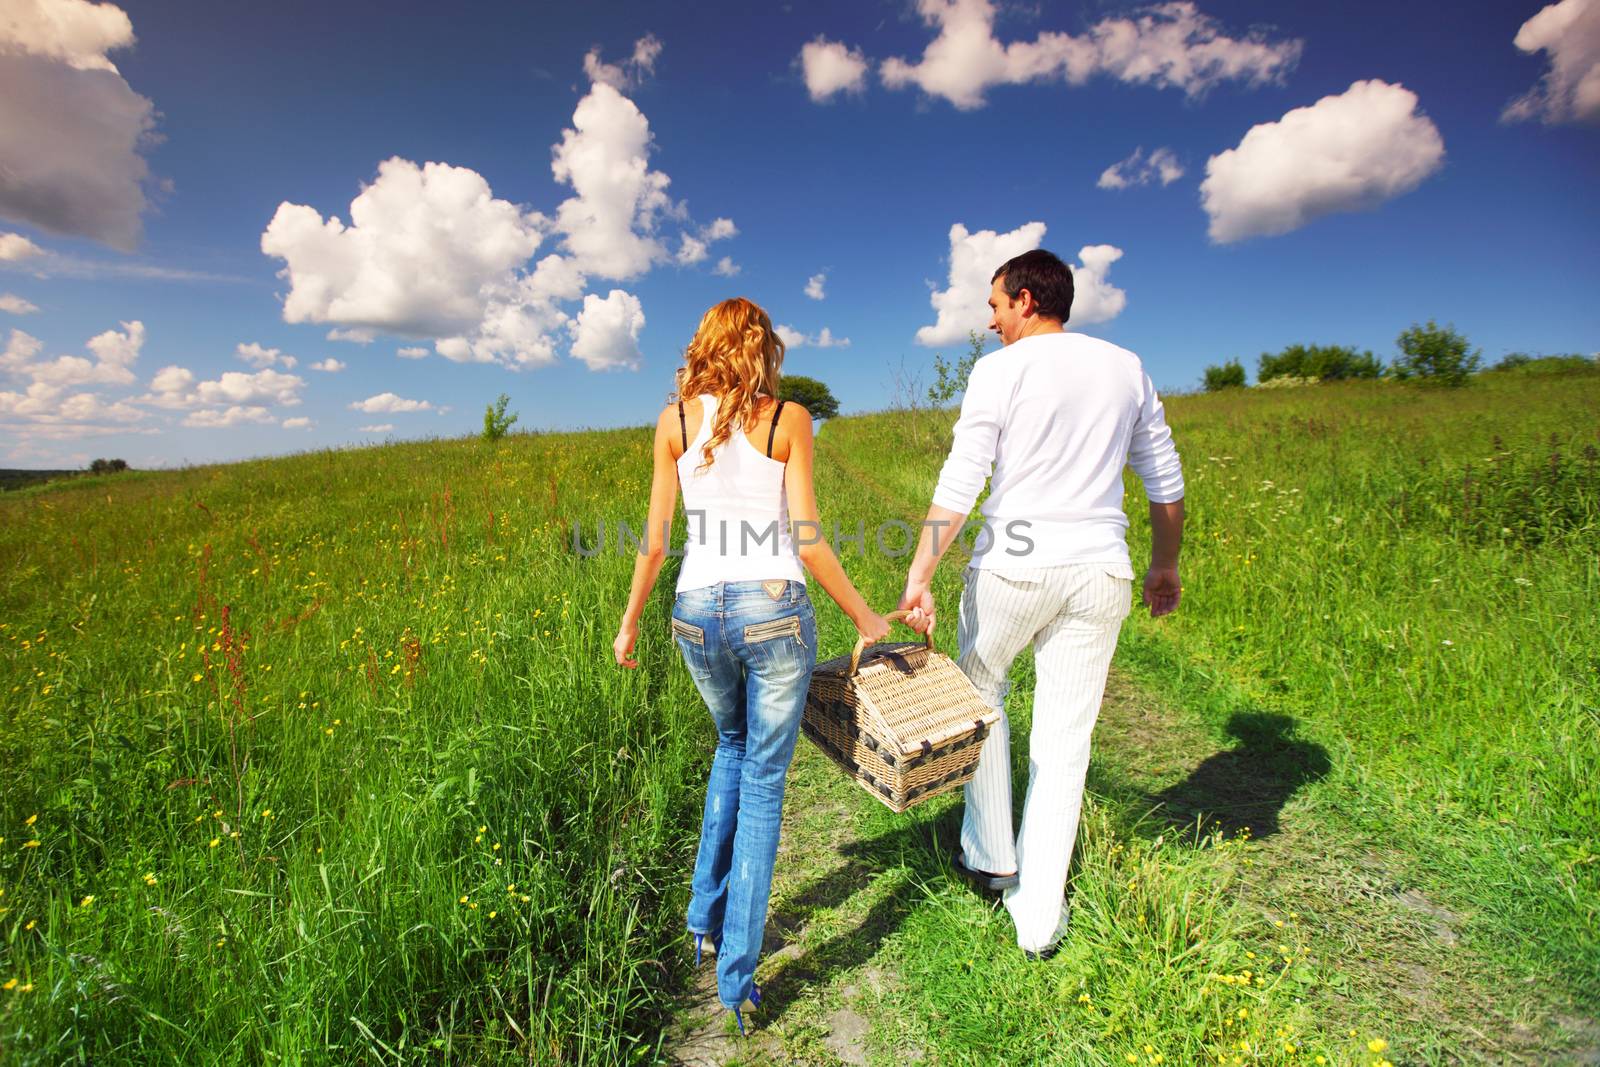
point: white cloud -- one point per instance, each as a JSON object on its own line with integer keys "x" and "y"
{"x": 14, "y": 246}
{"x": 382, "y": 427}
{"x": 354, "y": 337}
{"x": 258, "y": 356}
{"x": 814, "y": 286}
{"x": 170, "y": 387}
{"x": 606, "y": 332}
{"x": 726, "y": 267}
{"x": 832, "y": 67}
{"x": 46, "y": 409}
{"x": 1569, "y": 32}
{"x": 237, "y": 415}
{"x": 964, "y": 305}
{"x": 1169, "y": 45}
{"x": 1138, "y": 169}
{"x": 175, "y": 388}
{"x": 720, "y": 230}
{"x": 299, "y": 422}
{"x": 793, "y": 338}
{"x": 1343, "y": 153}
{"x": 16, "y": 305}
{"x": 412, "y": 352}
{"x": 333, "y": 366}
{"x": 631, "y": 71}
{"x": 608, "y": 226}
{"x": 71, "y": 129}
{"x": 388, "y": 404}
{"x": 1094, "y": 298}
{"x": 692, "y": 250}
{"x": 114, "y": 355}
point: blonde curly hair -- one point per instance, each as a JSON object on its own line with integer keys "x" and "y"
{"x": 736, "y": 356}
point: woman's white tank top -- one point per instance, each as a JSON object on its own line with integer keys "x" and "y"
{"x": 736, "y": 511}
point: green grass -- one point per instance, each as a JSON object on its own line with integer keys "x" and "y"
{"x": 1384, "y": 663}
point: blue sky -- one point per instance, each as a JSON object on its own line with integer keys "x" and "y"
{"x": 1323, "y": 176}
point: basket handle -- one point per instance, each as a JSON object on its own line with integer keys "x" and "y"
{"x": 861, "y": 642}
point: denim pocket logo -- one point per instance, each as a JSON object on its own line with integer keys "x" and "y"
{"x": 689, "y": 632}
{"x": 766, "y": 631}
{"x": 775, "y": 587}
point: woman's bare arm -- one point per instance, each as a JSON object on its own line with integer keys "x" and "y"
{"x": 658, "y": 533}
{"x": 814, "y": 550}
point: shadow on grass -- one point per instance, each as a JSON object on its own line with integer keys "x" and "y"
{"x": 889, "y": 868}
{"x": 1245, "y": 786}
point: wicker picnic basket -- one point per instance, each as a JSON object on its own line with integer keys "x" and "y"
{"x": 901, "y": 719}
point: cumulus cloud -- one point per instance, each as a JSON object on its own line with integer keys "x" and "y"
{"x": 382, "y": 427}
{"x": 814, "y": 286}
{"x": 793, "y": 338}
{"x": 1094, "y": 298}
{"x": 831, "y": 67}
{"x": 299, "y": 422}
{"x": 726, "y": 267}
{"x": 14, "y": 247}
{"x": 430, "y": 253}
{"x": 175, "y": 388}
{"x": 354, "y": 336}
{"x": 114, "y": 351}
{"x": 45, "y": 408}
{"x": 1138, "y": 169}
{"x": 333, "y": 366}
{"x": 1169, "y": 46}
{"x": 606, "y": 332}
{"x": 964, "y": 305}
{"x": 71, "y": 128}
{"x": 222, "y": 418}
{"x": 389, "y": 403}
{"x": 1344, "y": 153}
{"x": 412, "y": 352}
{"x": 1569, "y": 33}
{"x": 259, "y": 356}
{"x": 16, "y": 305}
{"x": 631, "y": 71}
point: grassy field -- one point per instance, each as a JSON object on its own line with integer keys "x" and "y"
{"x": 323, "y": 759}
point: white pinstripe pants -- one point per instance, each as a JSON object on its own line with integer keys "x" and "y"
{"x": 1072, "y": 614}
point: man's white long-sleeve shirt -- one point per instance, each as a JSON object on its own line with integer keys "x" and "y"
{"x": 1056, "y": 417}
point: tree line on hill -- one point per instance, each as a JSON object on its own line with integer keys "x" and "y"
{"x": 1431, "y": 354}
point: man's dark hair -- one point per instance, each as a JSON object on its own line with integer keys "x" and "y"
{"x": 1042, "y": 274}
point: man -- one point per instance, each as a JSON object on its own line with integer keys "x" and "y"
{"x": 1056, "y": 416}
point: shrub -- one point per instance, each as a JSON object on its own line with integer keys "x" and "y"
{"x": 1435, "y": 354}
{"x": 1228, "y": 376}
{"x": 108, "y": 466}
{"x": 817, "y": 397}
{"x": 495, "y": 420}
{"x": 952, "y": 378}
{"x": 1522, "y": 363}
{"x": 1324, "y": 363}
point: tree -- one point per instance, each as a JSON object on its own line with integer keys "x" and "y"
{"x": 952, "y": 379}
{"x": 815, "y": 396}
{"x": 1327, "y": 363}
{"x": 495, "y": 420}
{"x": 108, "y": 466}
{"x": 1435, "y": 354}
{"x": 1228, "y": 376}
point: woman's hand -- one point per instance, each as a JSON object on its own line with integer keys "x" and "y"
{"x": 872, "y": 627}
{"x": 622, "y": 647}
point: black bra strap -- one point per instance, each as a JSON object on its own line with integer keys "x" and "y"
{"x": 772, "y": 432}
{"x": 683, "y": 424}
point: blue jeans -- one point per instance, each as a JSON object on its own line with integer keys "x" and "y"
{"x": 750, "y": 647}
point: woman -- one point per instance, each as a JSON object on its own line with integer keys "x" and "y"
{"x": 742, "y": 619}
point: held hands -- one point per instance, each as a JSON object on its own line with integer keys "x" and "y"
{"x": 622, "y": 647}
{"x": 1162, "y": 590}
{"x": 872, "y": 627}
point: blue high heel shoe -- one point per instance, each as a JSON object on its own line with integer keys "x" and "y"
{"x": 751, "y": 1003}
{"x": 700, "y": 940}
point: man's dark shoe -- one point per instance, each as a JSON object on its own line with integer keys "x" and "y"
{"x": 982, "y": 879}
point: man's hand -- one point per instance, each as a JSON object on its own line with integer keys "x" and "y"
{"x": 918, "y": 599}
{"x": 1162, "y": 590}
